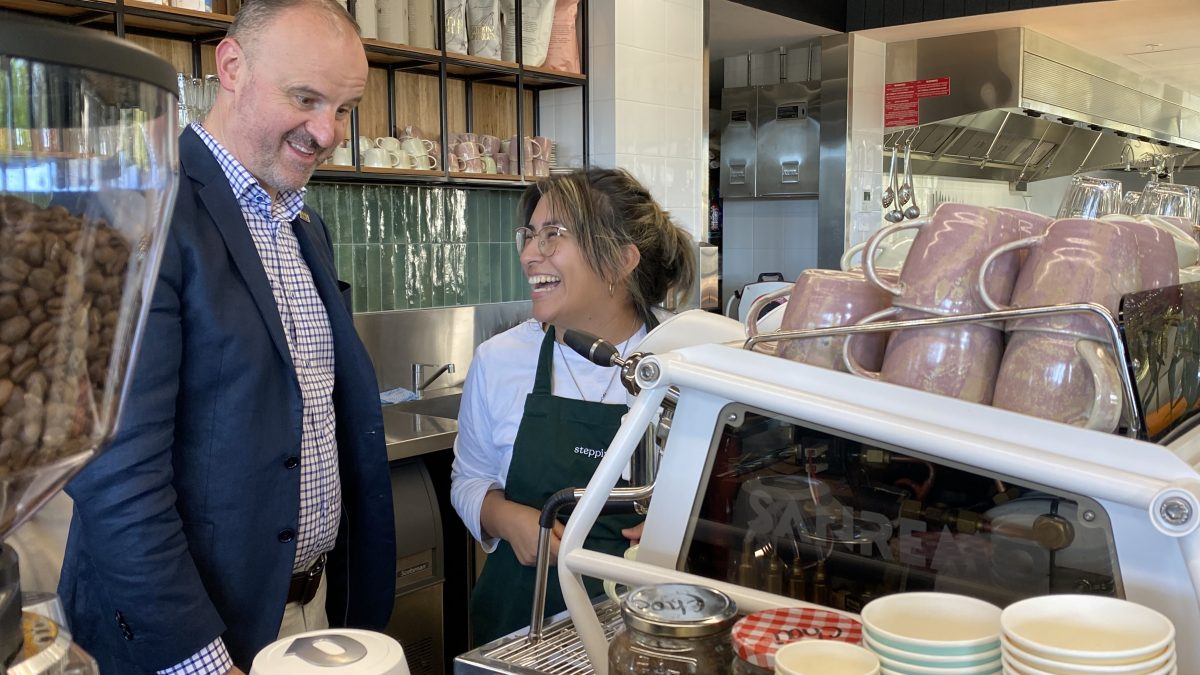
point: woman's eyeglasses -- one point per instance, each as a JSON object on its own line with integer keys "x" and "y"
{"x": 547, "y": 238}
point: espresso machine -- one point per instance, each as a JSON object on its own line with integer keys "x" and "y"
{"x": 797, "y": 486}
{"x": 88, "y": 171}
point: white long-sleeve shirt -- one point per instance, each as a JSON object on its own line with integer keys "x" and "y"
{"x": 493, "y": 402}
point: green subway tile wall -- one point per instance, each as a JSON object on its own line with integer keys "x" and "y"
{"x": 412, "y": 247}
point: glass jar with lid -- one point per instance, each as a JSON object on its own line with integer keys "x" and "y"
{"x": 758, "y": 636}
{"x": 673, "y": 629}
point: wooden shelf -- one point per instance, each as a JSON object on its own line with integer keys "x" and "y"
{"x": 548, "y": 78}
{"x": 382, "y": 53}
{"x": 451, "y": 90}
{"x": 149, "y": 16}
{"x": 65, "y": 10}
{"x": 479, "y": 68}
{"x": 464, "y": 175}
{"x": 392, "y": 171}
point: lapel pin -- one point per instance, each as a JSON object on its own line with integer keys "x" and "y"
{"x": 304, "y": 217}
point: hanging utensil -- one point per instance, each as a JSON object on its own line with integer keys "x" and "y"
{"x": 905, "y": 192}
{"x": 895, "y": 215}
{"x": 889, "y": 194}
{"x": 913, "y": 211}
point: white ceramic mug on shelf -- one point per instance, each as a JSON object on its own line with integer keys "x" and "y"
{"x": 389, "y": 143}
{"x": 342, "y": 156}
{"x": 380, "y": 158}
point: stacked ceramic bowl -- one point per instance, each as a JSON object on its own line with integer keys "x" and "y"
{"x": 933, "y": 634}
{"x": 1086, "y": 635}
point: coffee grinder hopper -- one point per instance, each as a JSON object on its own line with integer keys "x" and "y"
{"x": 88, "y": 166}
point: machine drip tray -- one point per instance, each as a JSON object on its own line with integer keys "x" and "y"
{"x": 560, "y": 651}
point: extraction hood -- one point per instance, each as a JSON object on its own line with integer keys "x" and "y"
{"x": 1014, "y": 105}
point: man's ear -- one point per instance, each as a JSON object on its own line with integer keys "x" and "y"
{"x": 231, "y": 62}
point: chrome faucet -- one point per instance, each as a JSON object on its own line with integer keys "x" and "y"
{"x": 420, "y": 382}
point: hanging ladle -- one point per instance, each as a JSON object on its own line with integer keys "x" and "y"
{"x": 905, "y": 193}
{"x": 889, "y": 193}
{"x": 895, "y": 215}
{"x": 913, "y": 211}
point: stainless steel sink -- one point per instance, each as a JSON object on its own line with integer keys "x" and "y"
{"x": 437, "y": 406}
{"x": 426, "y": 425}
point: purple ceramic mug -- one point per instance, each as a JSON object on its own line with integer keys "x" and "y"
{"x": 959, "y": 361}
{"x": 941, "y": 270}
{"x": 825, "y": 298}
{"x": 1076, "y": 260}
{"x": 1060, "y": 377}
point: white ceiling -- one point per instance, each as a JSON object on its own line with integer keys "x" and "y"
{"x": 1159, "y": 39}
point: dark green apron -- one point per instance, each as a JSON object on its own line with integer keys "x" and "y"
{"x": 549, "y": 454}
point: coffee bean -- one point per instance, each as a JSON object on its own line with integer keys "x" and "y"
{"x": 14, "y": 269}
{"x": 14, "y": 329}
{"x": 41, "y": 334}
{"x": 29, "y": 298}
{"x": 6, "y": 391}
{"x": 42, "y": 280}
{"x": 24, "y": 369}
{"x": 9, "y": 307}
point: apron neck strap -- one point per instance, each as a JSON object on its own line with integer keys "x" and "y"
{"x": 542, "y": 379}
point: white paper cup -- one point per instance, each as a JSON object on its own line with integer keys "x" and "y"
{"x": 1087, "y": 629}
{"x": 940, "y": 624}
{"x": 824, "y": 657}
{"x": 610, "y": 587}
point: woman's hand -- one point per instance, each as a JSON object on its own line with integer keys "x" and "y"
{"x": 518, "y": 525}
{"x": 634, "y": 534}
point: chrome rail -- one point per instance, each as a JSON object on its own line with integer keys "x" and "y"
{"x": 1106, "y": 317}
{"x": 537, "y": 619}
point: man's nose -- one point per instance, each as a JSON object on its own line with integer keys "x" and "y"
{"x": 325, "y": 128}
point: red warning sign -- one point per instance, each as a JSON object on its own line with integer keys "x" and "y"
{"x": 900, "y": 100}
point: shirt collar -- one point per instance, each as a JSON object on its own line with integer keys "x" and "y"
{"x": 246, "y": 188}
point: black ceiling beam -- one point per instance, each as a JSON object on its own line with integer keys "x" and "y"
{"x": 829, "y": 14}
{"x": 851, "y": 15}
{"x": 865, "y": 14}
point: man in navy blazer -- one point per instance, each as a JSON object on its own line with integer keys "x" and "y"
{"x": 249, "y": 473}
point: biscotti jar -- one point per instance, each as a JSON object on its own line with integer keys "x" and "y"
{"x": 673, "y": 628}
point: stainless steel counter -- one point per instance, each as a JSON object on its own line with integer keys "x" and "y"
{"x": 559, "y": 653}
{"x": 426, "y": 425}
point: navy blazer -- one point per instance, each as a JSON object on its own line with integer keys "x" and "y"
{"x": 184, "y": 528}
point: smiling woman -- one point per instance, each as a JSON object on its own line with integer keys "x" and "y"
{"x": 599, "y": 254}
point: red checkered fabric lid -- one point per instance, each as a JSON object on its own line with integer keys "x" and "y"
{"x": 757, "y": 636}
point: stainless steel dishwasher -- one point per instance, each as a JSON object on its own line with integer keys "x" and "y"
{"x": 417, "y": 614}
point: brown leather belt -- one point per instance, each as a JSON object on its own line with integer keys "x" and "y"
{"x": 304, "y": 584}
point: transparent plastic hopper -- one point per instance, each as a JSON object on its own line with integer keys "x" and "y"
{"x": 88, "y": 171}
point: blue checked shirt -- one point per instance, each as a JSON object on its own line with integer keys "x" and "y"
{"x": 310, "y": 344}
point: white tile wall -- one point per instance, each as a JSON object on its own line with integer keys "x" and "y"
{"x": 766, "y": 235}
{"x": 647, "y": 88}
{"x": 561, "y": 116}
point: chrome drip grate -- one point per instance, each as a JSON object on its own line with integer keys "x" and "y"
{"x": 560, "y": 652}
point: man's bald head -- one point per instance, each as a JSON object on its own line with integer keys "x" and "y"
{"x": 255, "y": 16}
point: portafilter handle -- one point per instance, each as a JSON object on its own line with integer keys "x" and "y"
{"x": 602, "y": 353}
{"x": 595, "y": 349}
